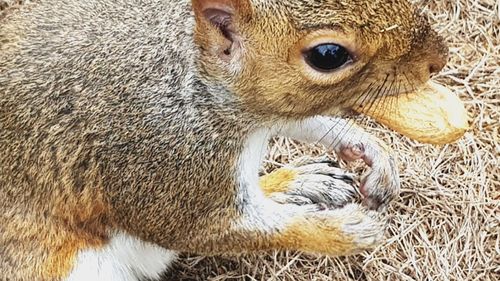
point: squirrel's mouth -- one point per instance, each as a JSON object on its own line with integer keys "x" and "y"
{"x": 432, "y": 114}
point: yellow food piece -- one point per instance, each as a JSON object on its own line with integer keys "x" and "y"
{"x": 432, "y": 114}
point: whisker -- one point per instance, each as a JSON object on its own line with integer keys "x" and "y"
{"x": 380, "y": 98}
{"x": 410, "y": 83}
{"x": 377, "y": 98}
{"x": 338, "y": 139}
{"x": 386, "y": 95}
{"x": 328, "y": 132}
{"x": 394, "y": 100}
{"x": 337, "y": 122}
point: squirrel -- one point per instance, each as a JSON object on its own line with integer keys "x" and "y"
{"x": 132, "y": 130}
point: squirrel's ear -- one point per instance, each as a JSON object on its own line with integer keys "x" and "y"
{"x": 221, "y": 18}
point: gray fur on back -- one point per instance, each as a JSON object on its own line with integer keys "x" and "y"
{"x": 105, "y": 94}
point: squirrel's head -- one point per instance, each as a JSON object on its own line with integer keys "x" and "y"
{"x": 305, "y": 57}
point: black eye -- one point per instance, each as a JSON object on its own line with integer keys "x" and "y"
{"x": 327, "y": 57}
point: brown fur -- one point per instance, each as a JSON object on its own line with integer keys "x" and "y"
{"x": 134, "y": 122}
{"x": 305, "y": 235}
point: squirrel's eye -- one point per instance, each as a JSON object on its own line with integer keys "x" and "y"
{"x": 327, "y": 57}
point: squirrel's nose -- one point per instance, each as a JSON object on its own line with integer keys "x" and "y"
{"x": 438, "y": 60}
{"x": 436, "y": 66}
{"x": 438, "y": 56}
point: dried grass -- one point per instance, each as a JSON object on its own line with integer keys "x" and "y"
{"x": 445, "y": 225}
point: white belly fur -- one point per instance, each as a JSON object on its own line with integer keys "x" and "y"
{"x": 124, "y": 258}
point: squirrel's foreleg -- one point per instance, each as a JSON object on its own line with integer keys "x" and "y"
{"x": 286, "y": 209}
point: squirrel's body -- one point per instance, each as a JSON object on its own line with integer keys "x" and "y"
{"x": 116, "y": 142}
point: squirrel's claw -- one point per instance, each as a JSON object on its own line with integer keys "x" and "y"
{"x": 381, "y": 184}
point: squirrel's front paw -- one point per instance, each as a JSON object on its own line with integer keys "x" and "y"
{"x": 382, "y": 184}
{"x": 309, "y": 181}
{"x": 366, "y": 229}
{"x": 343, "y": 231}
